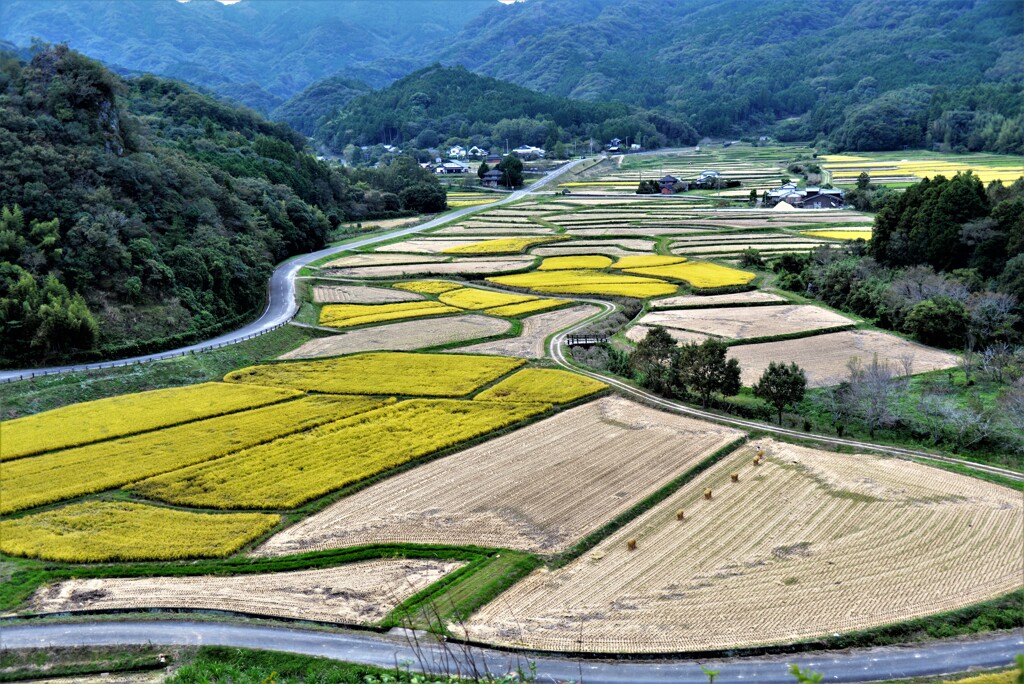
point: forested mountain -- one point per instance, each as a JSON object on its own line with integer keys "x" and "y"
{"x": 855, "y": 74}
{"x": 322, "y": 99}
{"x": 260, "y": 52}
{"x": 140, "y": 213}
{"x": 437, "y": 103}
{"x": 841, "y": 70}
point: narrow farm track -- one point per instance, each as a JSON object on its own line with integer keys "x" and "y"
{"x": 281, "y": 304}
{"x": 557, "y": 353}
{"x": 856, "y": 665}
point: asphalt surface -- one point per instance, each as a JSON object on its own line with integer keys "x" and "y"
{"x": 281, "y": 304}
{"x": 857, "y": 665}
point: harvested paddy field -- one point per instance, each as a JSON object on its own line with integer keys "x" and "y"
{"x": 425, "y": 245}
{"x": 749, "y": 321}
{"x": 357, "y": 594}
{"x": 530, "y": 343}
{"x": 570, "y": 250}
{"x": 375, "y": 259}
{"x": 736, "y": 247}
{"x": 752, "y": 297}
{"x": 824, "y": 358}
{"x": 639, "y": 332}
{"x": 404, "y": 336}
{"x": 483, "y": 266}
{"x": 631, "y": 231}
{"x": 539, "y": 489}
{"x": 359, "y": 294}
{"x": 809, "y": 543}
{"x": 478, "y": 231}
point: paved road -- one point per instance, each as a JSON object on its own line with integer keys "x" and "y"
{"x": 556, "y": 350}
{"x": 934, "y": 658}
{"x": 281, "y": 304}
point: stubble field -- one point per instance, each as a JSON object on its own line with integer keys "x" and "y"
{"x": 749, "y": 321}
{"x": 807, "y": 544}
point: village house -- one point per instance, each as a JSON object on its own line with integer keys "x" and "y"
{"x": 457, "y": 151}
{"x": 452, "y": 166}
{"x": 477, "y": 152}
{"x": 528, "y": 152}
{"x": 667, "y": 184}
{"x": 811, "y": 197}
{"x": 491, "y": 178}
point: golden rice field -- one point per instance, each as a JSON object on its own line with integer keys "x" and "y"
{"x": 529, "y": 307}
{"x": 59, "y": 475}
{"x": 562, "y": 263}
{"x": 539, "y": 489}
{"x": 460, "y": 203}
{"x": 429, "y": 286}
{"x": 427, "y": 375}
{"x": 587, "y": 282}
{"x": 355, "y": 593}
{"x": 474, "y": 298}
{"x": 698, "y": 274}
{"x": 463, "y": 266}
{"x": 533, "y": 385}
{"x": 840, "y": 234}
{"x": 349, "y": 315}
{"x": 809, "y": 543}
{"x": 128, "y": 414}
{"x": 647, "y": 261}
{"x": 500, "y": 246}
{"x": 988, "y": 168}
{"x": 106, "y": 531}
{"x": 290, "y": 471}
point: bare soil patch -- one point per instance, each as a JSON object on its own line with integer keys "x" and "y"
{"x": 538, "y": 489}
{"x": 357, "y": 594}
{"x": 358, "y": 294}
{"x": 752, "y": 321}
{"x": 404, "y": 336}
{"x": 825, "y": 357}
{"x": 807, "y": 544}
{"x": 530, "y": 344}
{"x": 754, "y": 296}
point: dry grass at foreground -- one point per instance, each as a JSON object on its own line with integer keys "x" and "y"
{"x": 541, "y": 385}
{"x": 404, "y": 336}
{"x": 295, "y": 469}
{"x": 807, "y": 544}
{"x": 639, "y": 332}
{"x": 429, "y": 286}
{"x": 60, "y": 475}
{"x": 750, "y": 321}
{"x": 460, "y": 267}
{"x": 698, "y": 274}
{"x": 538, "y": 489}
{"x": 825, "y": 357}
{"x": 754, "y": 296}
{"x": 500, "y": 246}
{"x": 357, "y": 594}
{"x": 358, "y": 294}
{"x": 108, "y": 418}
{"x": 426, "y": 375}
{"x": 350, "y": 315}
{"x": 101, "y": 531}
{"x": 375, "y": 259}
{"x": 561, "y": 263}
{"x": 474, "y": 298}
{"x": 840, "y": 234}
{"x": 587, "y": 282}
{"x": 530, "y": 343}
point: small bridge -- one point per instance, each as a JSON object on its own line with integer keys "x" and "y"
{"x": 584, "y": 340}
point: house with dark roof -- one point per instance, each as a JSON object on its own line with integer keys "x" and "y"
{"x": 667, "y": 184}
{"x": 492, "y": 178}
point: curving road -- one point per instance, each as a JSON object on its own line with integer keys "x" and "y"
{"x": 281, "y": 304}
{"x": 857, "y": 665}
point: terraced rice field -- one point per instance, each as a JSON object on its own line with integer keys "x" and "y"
{"x": 404, "y": 336}
{"x": 359, "y": 294}
{"x": 106, "y": 419}
{"x": 539, "y": 489}
{"x": 840, "y": 234}
{"x": 59, "y": 475}
{"x": 293, "y": 470}
{"x": 455, "y": 267}
{"x": 807, "y": 544}
{"x": 424, "y": 375}
{"x": 588, "y": 282}
{"x": 351, "y": 315}
{"x": 774, "y": 246}
{"x": 751, "y": 321}
{"x": 824, "y": 358}
{"x": 501, "y": 245}
{"x": 698, "y": 274}
{"x": 426, "y": 245}
{"x": 888, "y": 168}
{"x": 379, "y": 259}
{"x": 533, "y": 385}
{"x": 536, "y": 329}
{"x": 105, "y": 531}
{"x": 752, "y": 297}
{"x": 639, "y": 332}
{"x": 356, "y": 594}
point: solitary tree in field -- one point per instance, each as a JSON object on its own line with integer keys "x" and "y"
{"x": 781, "y": 385}
{"x": 704, "y": 369}
{"x": 511, "y": 168}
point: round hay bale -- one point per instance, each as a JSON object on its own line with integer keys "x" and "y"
{"x": 631, "y": 544}
{"x": 707, "y": 493}
{"x": 680, "y": 514}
